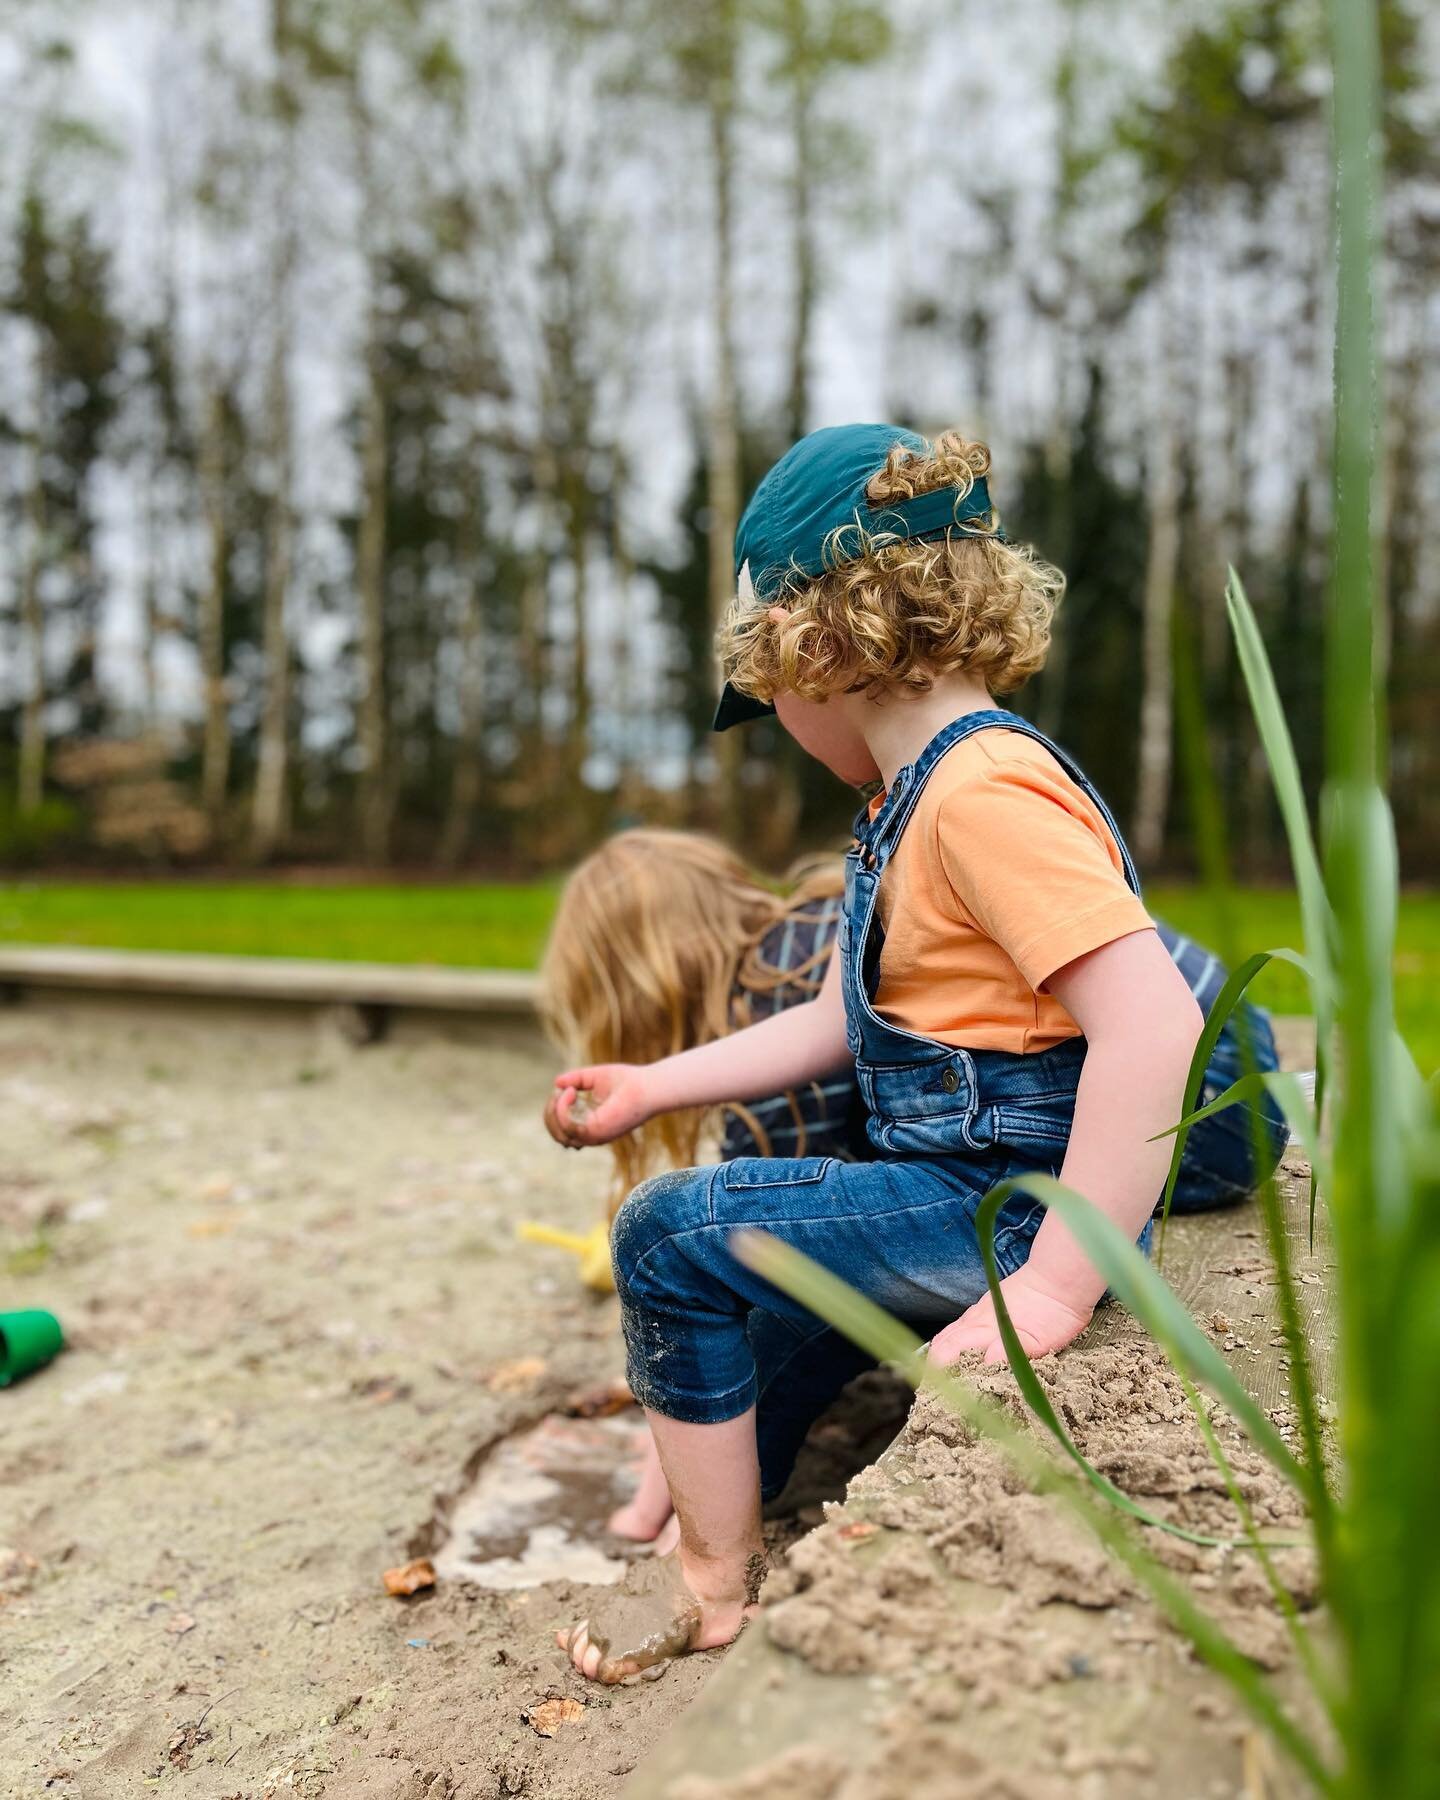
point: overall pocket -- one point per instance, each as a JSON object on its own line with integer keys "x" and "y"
{"x": 925, "y": 1107}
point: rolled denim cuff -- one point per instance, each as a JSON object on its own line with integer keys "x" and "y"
{"x": 687, "y": 1408}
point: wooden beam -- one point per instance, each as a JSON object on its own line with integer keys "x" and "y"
{"x": 506, "y": 992}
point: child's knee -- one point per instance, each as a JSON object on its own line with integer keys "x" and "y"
{"x": 654, "y": 1214}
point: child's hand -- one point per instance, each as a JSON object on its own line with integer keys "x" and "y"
{"x": 618, "y": 1101}
{"x": 1043, "y": 1320}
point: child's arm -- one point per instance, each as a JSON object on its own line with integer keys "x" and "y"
{"x": 1141, "y": 1024}
{"x": 803, "y": 1043}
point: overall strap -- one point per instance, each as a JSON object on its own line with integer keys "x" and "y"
{"x": 877, "y": 838}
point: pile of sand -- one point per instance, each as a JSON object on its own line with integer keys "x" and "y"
{"x": 1021, "y": 1660}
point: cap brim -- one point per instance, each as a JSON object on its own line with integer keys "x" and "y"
{"x": 736, "y": 708}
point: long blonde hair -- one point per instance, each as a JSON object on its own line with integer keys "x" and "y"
{"x": 655, "y": 933}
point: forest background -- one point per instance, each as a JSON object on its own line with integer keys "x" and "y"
{"x": 380, "y": 384}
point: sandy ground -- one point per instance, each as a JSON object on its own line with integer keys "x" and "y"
{"x": 297, "y": 1313}
{"x": 296, "y": 1309}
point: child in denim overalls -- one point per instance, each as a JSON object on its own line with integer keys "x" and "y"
{"x": 879, "y": 608}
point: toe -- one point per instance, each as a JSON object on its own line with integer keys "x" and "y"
{"x": 589, "y": 1664}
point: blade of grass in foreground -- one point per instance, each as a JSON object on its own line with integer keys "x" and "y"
{"x": 1145, "y": 1293}
{"x": 1316, "y": 917}
{"x": 1320, "y": 1679}
{"x": 1226, "y": 1003}
{"x": 1285, "y": 1088}
{"x": 1214, "y": 857}
{"x": 1285, "y": 774}
{"x": 888, "y": 1341}
{"x": 1387, "y": 1593}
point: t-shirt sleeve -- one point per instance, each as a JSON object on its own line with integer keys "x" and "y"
{"x": 1031, "y": 862}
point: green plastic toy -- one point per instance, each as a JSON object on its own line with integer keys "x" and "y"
{"x": 28, "y": 1340}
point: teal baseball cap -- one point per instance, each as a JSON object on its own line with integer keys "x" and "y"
{"x": 796, "y": 525}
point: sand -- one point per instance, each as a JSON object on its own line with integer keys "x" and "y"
{"x": 296, "y": 1311}
{"x": 960, "y": 1500}
{"x": 990, "y": 1647}
{"x": 300, "y": 1323}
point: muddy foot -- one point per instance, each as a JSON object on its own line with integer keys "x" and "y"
{"x": 654, "y": 1615}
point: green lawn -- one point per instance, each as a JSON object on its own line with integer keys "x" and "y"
{"x": 490, "y": 927}
{"x": 1269, "y": 919}
{"x": 503, "y": 927}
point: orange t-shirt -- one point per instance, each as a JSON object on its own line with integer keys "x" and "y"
{"x": 1006, "y": 872}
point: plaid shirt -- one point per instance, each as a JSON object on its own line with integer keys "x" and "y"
{"x": 823, "y": 1119}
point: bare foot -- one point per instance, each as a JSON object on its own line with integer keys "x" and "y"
{"x": 642, "y": 1518}
{"x": 662, "y": 1610}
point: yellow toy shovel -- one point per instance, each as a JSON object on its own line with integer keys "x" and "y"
{"x": 592, "y": 1250}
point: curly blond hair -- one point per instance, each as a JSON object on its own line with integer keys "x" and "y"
{"x": 903, "y": 610}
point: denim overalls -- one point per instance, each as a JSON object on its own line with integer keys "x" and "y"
{"x": 706, "y": 1338}
{"x": 926, "y": 1098}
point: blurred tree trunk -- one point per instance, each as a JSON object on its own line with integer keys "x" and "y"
{"x": 151, "y": 612}
{"x": 270, "y": 817}
{"x": 577, "y": 534}
{"x": 623, "y": 699}
{"x": 803, "y": 274}
{"x": 467, "y": 775}
{"x": 375, "y": 782}
{"x": 817, "y": 39}
{"x": 1237, "y": 548}
{"x": 534, "y": 666}
{"x": 31, "y": 785}
{"x": 578, "y": 746}
{"x": 269, "y": 820}
{"x": 1157, "y": 670}
{"x": 1059, "y": 441}
{"x": 215, "y": 753}
{"x": 722, "y": 458}
{"x": 1059, "y": 525}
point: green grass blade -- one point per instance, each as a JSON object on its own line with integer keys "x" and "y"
{"x": 888, "y": 1341}
{"x": 1130, "y": 1275}
{"x": 1289, "y": 793}
{"x": 1145, "y": 1293}
{"x": 1226, "y": 1002}
{"x": 1302, "y": 1120}
{"x": 1286, "y": 1089}
{"x": 1320, "y": 1680}
{"x": 1317, "y": 919}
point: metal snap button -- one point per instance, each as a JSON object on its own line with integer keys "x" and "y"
{"x": 950, "y": 1080}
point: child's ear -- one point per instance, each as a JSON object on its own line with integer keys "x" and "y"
{"x": 777, "y": 615}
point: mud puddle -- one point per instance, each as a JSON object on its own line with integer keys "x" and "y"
{"x": 536, "y": 1510}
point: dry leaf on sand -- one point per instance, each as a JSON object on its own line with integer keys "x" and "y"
{"x": 599, "y": 1402}
{"x": 410, "y": 1577}
{"x": 857, "y": 1532}
{"x": 16, "y": 1568}
{"x": 515, "y": 1377}
{"x": 547, "y": 1716}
